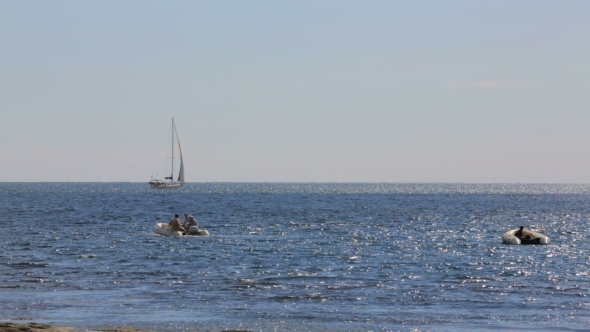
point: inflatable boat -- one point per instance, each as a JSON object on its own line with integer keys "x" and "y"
{"x": 164, "y": 229}
{"x": 528, "y": 237}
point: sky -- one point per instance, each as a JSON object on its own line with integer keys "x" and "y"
{"x": 296, "y": 91}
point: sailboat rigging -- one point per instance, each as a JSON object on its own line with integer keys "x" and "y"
{"x": 171, "y": 184}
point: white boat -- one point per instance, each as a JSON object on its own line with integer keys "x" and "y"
{"x": 196, "y": 231}
{"x": 168, "y": 182}
{"x": 528, "y": 237}
{"x": 163, "y": 229}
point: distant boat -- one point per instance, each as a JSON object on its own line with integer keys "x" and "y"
{"x": 168, "y": 182}
{"x": 527, "y": 237}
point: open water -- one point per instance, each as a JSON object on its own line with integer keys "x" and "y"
{"x": 296, "y": 257}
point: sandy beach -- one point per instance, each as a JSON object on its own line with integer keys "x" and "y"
{"x": 38, "y": 327}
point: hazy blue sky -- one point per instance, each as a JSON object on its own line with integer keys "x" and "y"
{"x": 319, "y": 91}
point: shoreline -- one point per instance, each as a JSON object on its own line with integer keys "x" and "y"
{"x": 40, "y": 327}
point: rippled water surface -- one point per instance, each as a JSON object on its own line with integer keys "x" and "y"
{"x": 296, "y": 257}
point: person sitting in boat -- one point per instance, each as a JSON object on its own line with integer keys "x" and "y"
{"x": 189, "y": 221}
{"x": 518, "y": 233}
{"x": 175, "y": 225}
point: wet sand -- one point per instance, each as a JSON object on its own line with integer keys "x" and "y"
{"x": 38, "y": 327}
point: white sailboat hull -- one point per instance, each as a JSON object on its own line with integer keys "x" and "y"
{"x": 166, "y": 185}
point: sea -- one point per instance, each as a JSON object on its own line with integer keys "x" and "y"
{"x": 296, "y": 257}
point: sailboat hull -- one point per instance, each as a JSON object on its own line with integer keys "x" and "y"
{"x": 166, "y": 185}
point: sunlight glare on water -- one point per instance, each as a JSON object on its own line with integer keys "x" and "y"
{"x": 297, "y": 257}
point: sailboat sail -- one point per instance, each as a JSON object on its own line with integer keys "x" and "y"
{"x": 181, "y": 171}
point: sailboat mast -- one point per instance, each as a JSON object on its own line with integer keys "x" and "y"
{"x": 172, "y": 170}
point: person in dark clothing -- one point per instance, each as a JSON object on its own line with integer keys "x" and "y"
{"x": 518, "y": 233}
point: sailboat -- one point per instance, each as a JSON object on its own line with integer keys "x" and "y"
{"x": 168, "y": 182}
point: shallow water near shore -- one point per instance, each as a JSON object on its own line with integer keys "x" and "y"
{"x": 296, "y": 257}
